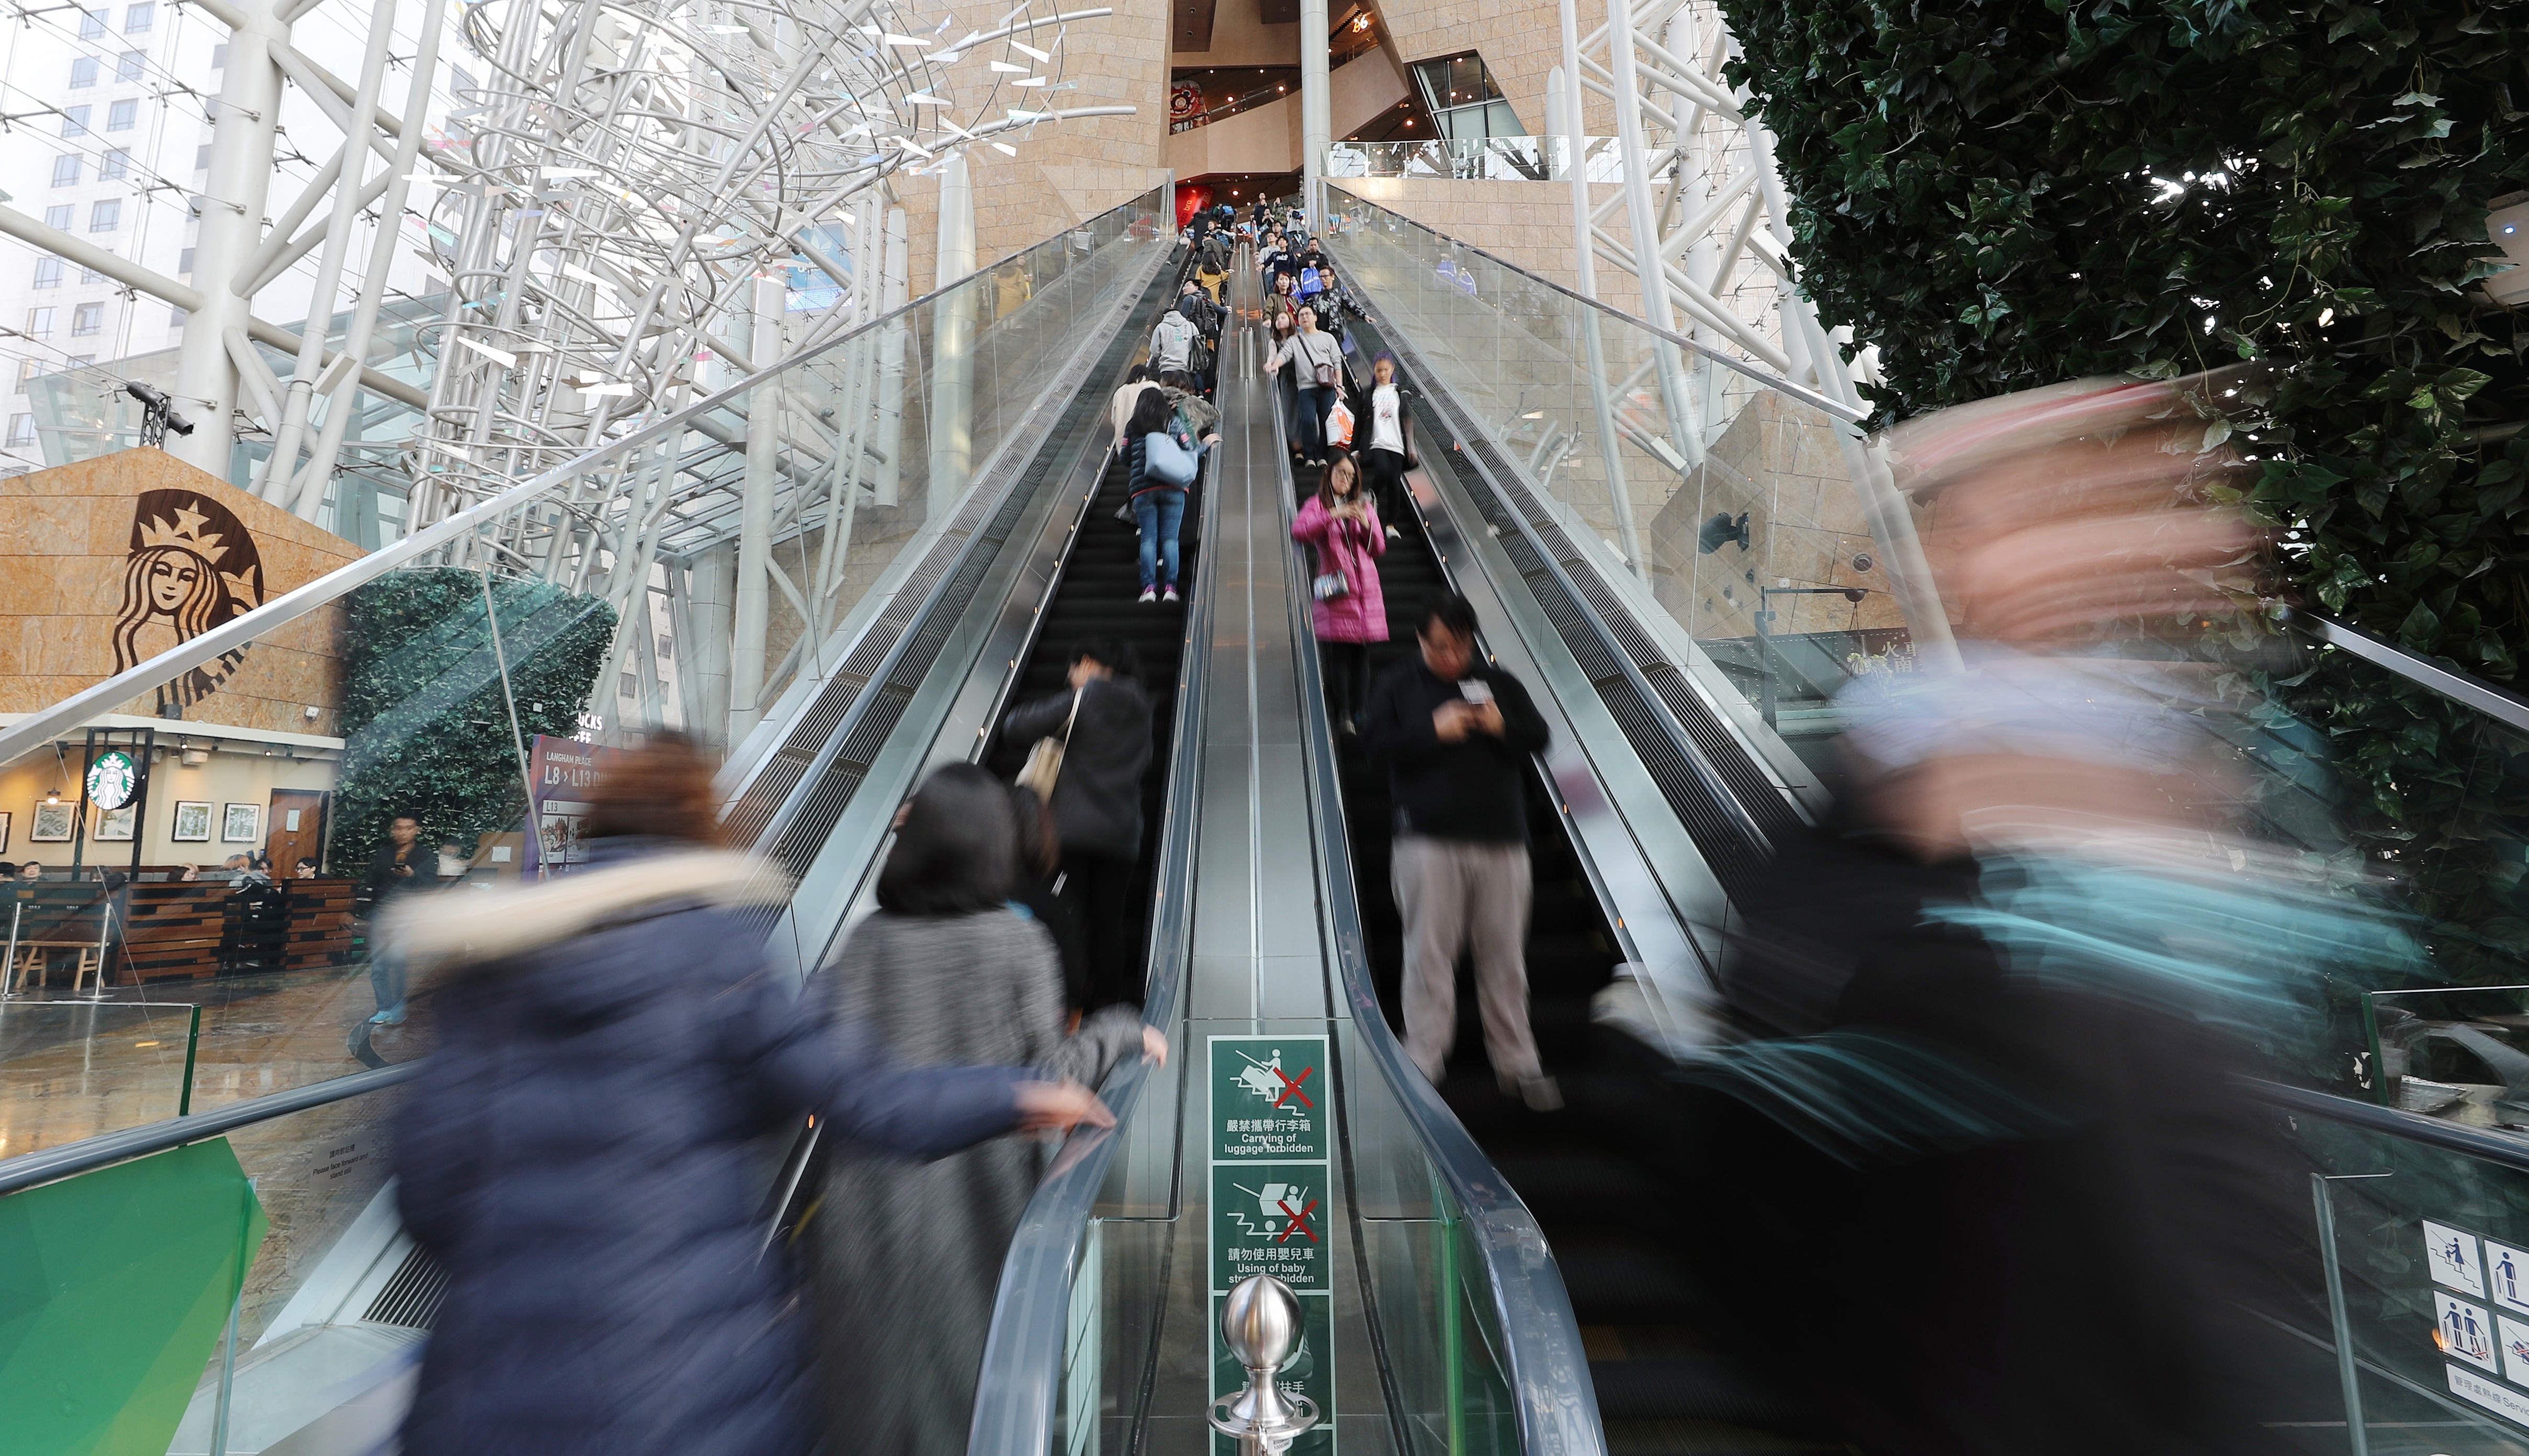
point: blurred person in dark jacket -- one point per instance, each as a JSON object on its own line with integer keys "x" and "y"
{"x": 1456, "y": 735}
{"x": 910, "y": 1254}
{"x": 1097, "y": 804}
{"x": 582, "y": 1153}
{"x": 396, "y": 872}
{"x": 2016, "y": 979}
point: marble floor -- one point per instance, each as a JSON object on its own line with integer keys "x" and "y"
{"x": 75, "y": 1068}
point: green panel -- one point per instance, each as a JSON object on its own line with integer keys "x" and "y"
{"x": 1265, "y": 1093}
{"x": 114, "y": 1287}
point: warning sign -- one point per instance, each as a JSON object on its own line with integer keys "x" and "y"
{"x": 1265, "y": 1093}
{"x": 1269, "y": 1219}
{"x": 1273, "y": 1206}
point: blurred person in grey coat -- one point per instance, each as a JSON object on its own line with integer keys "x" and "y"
{"x": 910, "y": 1255}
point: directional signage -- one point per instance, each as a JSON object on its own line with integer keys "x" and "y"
{"x": 1271, "y": 1206}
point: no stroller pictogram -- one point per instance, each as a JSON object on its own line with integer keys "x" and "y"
{"x": 1297, "y": 1220}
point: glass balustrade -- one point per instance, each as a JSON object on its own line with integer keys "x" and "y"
{"x": 1721, "y": 502}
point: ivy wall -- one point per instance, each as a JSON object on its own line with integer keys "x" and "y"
{"x": 427, "y": 727}
{"x": 2002, "y": 195}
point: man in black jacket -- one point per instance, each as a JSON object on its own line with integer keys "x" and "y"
{"x": 1097, "y": 808}
{"x": 394, "y": 871}
{"x": 1457, "y": 734}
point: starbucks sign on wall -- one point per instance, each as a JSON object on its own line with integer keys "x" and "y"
{"x": 106, "y": 563}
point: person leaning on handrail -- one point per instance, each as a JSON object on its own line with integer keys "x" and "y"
{"x": 582, "y": 1156}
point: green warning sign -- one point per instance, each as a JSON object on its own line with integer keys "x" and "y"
{"x": 1273, "y": 1203}
{"x": 1269, "y": 1219}
{"x": 1268, "y": 1098}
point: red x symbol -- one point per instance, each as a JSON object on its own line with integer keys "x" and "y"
{"x": 1299, "y": 1222}
{"x": 1291, "y": 1088}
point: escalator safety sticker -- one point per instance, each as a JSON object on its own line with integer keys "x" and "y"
{"x": 1265, "y": 1096}
{"x": 2464, "y": 1331}
{"x": 1271, "y": 1206}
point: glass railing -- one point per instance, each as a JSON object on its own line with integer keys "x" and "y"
{"x": 2420, "y": 1308}
{"x": 1478, "y": 159}
{"x": 474, "y": 676}
{"x": 72, "y": 1069}
{"x": 1731, "y": 507}
{"x": 216, "y": 1282}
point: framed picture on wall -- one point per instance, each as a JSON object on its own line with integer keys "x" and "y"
{"x": 119, "y": 824}
{"x": 192, "y": 823}
{"x": 242, "y": 824}
{"x": 52, "y": 824}
{"x": 4, "y": 834}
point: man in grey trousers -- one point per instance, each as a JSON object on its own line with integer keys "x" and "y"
{"x": 1457, "y": 734}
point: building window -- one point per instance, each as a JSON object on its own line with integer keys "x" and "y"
{"x": 120, "y": 115}
{"x": 91, "y": 23}
{"x": 30, "y": 370}
{"x": 461, "y": 84}
{"x": 203, "y": 157}
{"x": 220, "y": 56}
{"x": 83, "y": 72}
{"x": 1463, "y": 102}
{"x": 81, "y": 361}
{"x": 48, "y": 273}
{"x": 75, "y": 121}
{"x": 39, "y": 323}
{"x": 176, "y": 317}
{"x": 138, "y": 19}
{"x": 105, "y": 214}
{"x": 127, "y": 66}
{"x": 91, "y": 275}
{"x": 66, "y": 170}
{"x": 185, "y": 261}
{"x": 21, "y": 431}
{"x": 88, "y": 318}
{"x": 113, "y": 164}
{"x": 58, "y": 216}
{"x": 632, "y": 687}
{"x": 667, "y": 648}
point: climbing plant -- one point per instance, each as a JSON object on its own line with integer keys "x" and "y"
{"x": 425, "y": 724}
{"x": 2002, "y": 195}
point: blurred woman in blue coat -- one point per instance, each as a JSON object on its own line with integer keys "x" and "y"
{"x": 581, "y": 1154}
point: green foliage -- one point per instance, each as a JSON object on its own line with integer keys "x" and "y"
{"x": 426, "y": 730}
{"x": 2003, "y": 195}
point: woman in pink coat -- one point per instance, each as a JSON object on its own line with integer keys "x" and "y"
{"x": 1342, "y": 524}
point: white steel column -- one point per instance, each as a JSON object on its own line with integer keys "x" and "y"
{"x": 1316, "y": 111}
{"x": 952, "y": 342}
{"x": 755, "y": 524}
{"x": 234, "y": 202}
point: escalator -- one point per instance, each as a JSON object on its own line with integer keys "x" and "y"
{"x": 1660, "y": 1386}
{"x": 1097, "y": 595}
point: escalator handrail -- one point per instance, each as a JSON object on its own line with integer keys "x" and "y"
{"x": 1551, "y": 1391}
{"x": 2500, "y": 1149}
{"x": 2447, "y": 682}
{"x": 87, "y": 1155}
{"x": 240, "y": 632}
{"x": 1021, "y": 1377}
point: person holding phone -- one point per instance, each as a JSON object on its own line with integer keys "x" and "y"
{"x": 1457, "y": 735}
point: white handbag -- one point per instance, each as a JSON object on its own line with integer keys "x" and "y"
{"x": 1045, "y": 760}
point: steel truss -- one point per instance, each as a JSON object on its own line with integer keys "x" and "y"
{"x": 1708, "y": 245}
